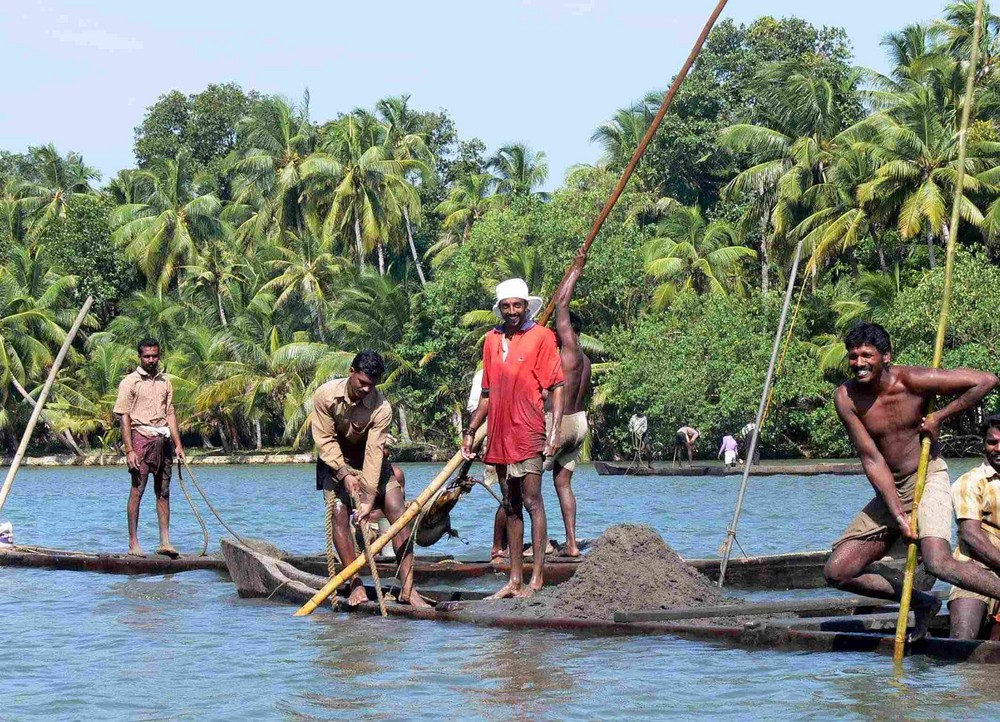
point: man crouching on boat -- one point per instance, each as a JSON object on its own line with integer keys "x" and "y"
{"x": 350, "y": 423}
{"x": 520, "y": 361}
{"x": 976, "y": 497}
{"x": 145, "y": 404}
{"x": 883, "y": 409}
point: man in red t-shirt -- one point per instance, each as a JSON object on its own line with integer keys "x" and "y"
{"x": 520, "y": 361}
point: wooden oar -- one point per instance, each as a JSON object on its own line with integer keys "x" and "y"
{"x": 925, "y": 444}
{"x": 577, "y": 267}
{"x": 42, "y": 397}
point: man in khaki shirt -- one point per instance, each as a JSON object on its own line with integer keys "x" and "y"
{"x": 145, "y": 404}
{"x": 350, "y": 422}
{"x": 976, "y": 497}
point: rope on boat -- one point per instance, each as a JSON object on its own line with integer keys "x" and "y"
{"x": 331, "y": 556}
{"x": 372, "y": 564}
{"x": 201, "y": 522}
{"x": 925, "y": 443}
{"x": 208, "y": 503}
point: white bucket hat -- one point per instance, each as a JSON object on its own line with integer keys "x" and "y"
{"x": 517, "y": 288}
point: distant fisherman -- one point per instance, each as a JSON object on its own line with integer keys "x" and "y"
{"x": 976, "y": 497}
{"x": 730, "y": 448}
{"x": 686, "y": 438}
{"x": 145, "y": 404}
{"x": 350, "y": 423}
{"x": 884, "y": 409}
{"x": 520, "y": 362}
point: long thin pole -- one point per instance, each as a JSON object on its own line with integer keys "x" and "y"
{"x": 37, "y": 411}
{"x": 925, "y": 443}
{"x": 456, "y": 461}
{"x": 731, "y": 533}
{"x": 668, "y": 100}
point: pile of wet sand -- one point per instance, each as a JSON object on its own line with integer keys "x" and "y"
{"x": 629, "y": 568}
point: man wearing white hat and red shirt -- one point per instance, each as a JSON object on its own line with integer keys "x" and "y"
{"x": 520, "y": 362}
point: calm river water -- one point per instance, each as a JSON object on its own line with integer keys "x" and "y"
{"x": 76, "y": 646}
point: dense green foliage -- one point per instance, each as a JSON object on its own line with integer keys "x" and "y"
{"x": 264, "y": 247}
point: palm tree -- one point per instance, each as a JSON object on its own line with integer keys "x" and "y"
{"x": 359, "y": 167}
{"x": 166, "y": 230}
{"x": 214, "y": 273}
{"x": 147, "y": 314}
{"x": 53, "y": 181}
{"x": 621, "y": 135}
{"x": 520, "y": 169}
{"x": 695, "y": 254}
{"x": 276, "y": 139}
{"x": 789, "y": 151}
{"x": 306, "y": 271}
{"x": 468, "y": 201}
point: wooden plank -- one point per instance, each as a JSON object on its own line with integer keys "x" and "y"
{"x": 826, "y": 604}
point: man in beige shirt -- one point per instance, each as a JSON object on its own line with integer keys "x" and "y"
{"x": 350, "y": 422}
{"x": 976, "y": 498}
{"x": 145, "y": 404}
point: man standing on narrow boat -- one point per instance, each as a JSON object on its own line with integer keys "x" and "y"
{"x": 350, "y": 422}
{"x": 145, "y": 405}
{"x": 686, "y": 438}
{"x": 520, "y": 362}
{"x": 576, "y": 370}
{"x": 884, "y": 409}
{"x": 976, "y": 497}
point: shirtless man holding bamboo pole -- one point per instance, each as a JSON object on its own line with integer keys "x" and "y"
{"x": 883, "y": 409}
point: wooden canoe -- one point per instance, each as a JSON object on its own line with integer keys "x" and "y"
{"x": 838, "y": 624}
{"x": 837, "y": 468}
{"x": 799, "y": 570}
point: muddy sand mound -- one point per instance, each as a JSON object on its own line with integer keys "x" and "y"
{"x": 629, "y": 568}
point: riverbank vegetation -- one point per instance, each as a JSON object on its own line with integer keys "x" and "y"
{"x": 263, "y": 247}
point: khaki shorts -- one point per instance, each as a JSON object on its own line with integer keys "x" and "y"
{"x": 521, "y": 469}
{"x": 934, "y": 516}
{"x": 992, "y": 605}
{"x": 571, "y": 437}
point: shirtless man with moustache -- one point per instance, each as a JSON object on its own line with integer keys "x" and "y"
{"x": 884, "y": 409}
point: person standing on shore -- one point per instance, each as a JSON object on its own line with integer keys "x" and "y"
{"x": 145, "y": 405}
{"x": 730, "y": 448}
{"x": 686, "y": 438}
{"x": 520, "y": 362}
{"x": 976, "y": 498}
{"x": 350, "y": 422}
{"x": 884, "y": 410}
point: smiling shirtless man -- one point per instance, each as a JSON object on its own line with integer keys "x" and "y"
{"x": 884, "y": 411}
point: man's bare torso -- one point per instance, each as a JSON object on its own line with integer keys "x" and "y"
{"x": 576, "y": 369}
{"x": 892, "y": 416}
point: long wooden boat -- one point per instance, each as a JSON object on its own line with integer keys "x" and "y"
{"x": 841, "y": 624}
{"x": 837, "y": 468}
{"x": 799, "y": 570}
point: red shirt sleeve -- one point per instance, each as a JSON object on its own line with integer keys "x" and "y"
{"x": 548, "y": 364}
{"x": 487, "y": 356}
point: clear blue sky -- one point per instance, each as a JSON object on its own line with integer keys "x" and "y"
{"x": 544, "y": 72}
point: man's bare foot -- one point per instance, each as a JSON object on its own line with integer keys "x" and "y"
{"x": 570, "y": 550}
{"x": 498, "y": 557}
{"x": 923, "y": 613}
{"x": 508, "y": 590}
{"x": 168, "y": 550}
{"x": 415, "y": 600}
{"x": 524, "y": 592}
{"x": 136, "y": 551}
{"x": 358, "y": 596}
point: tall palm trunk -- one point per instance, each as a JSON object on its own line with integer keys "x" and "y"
{"x": 222, "y": 309}
{"x": 257, "y": 436}
{"x": 381, "y": 259}
{"x": 765, "y": 257}
{"x": 413, "y": 247}
{"x": 930, "y": 245}
{"x": 404, "y": 426}
{"x": 358, "y": 246}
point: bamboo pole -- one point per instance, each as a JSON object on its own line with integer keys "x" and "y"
{"x": 761, "y": 409}
{"x": 37, "y": 411}
{"x": 414, "y": 508}
{"x": 925, "y": 443}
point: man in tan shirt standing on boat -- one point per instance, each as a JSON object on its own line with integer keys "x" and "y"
{"x": 976, "y": 498}
{"x": 145, "y": 404}
{"x": 350, "y": 423}
{"x": 884, "y": 409}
